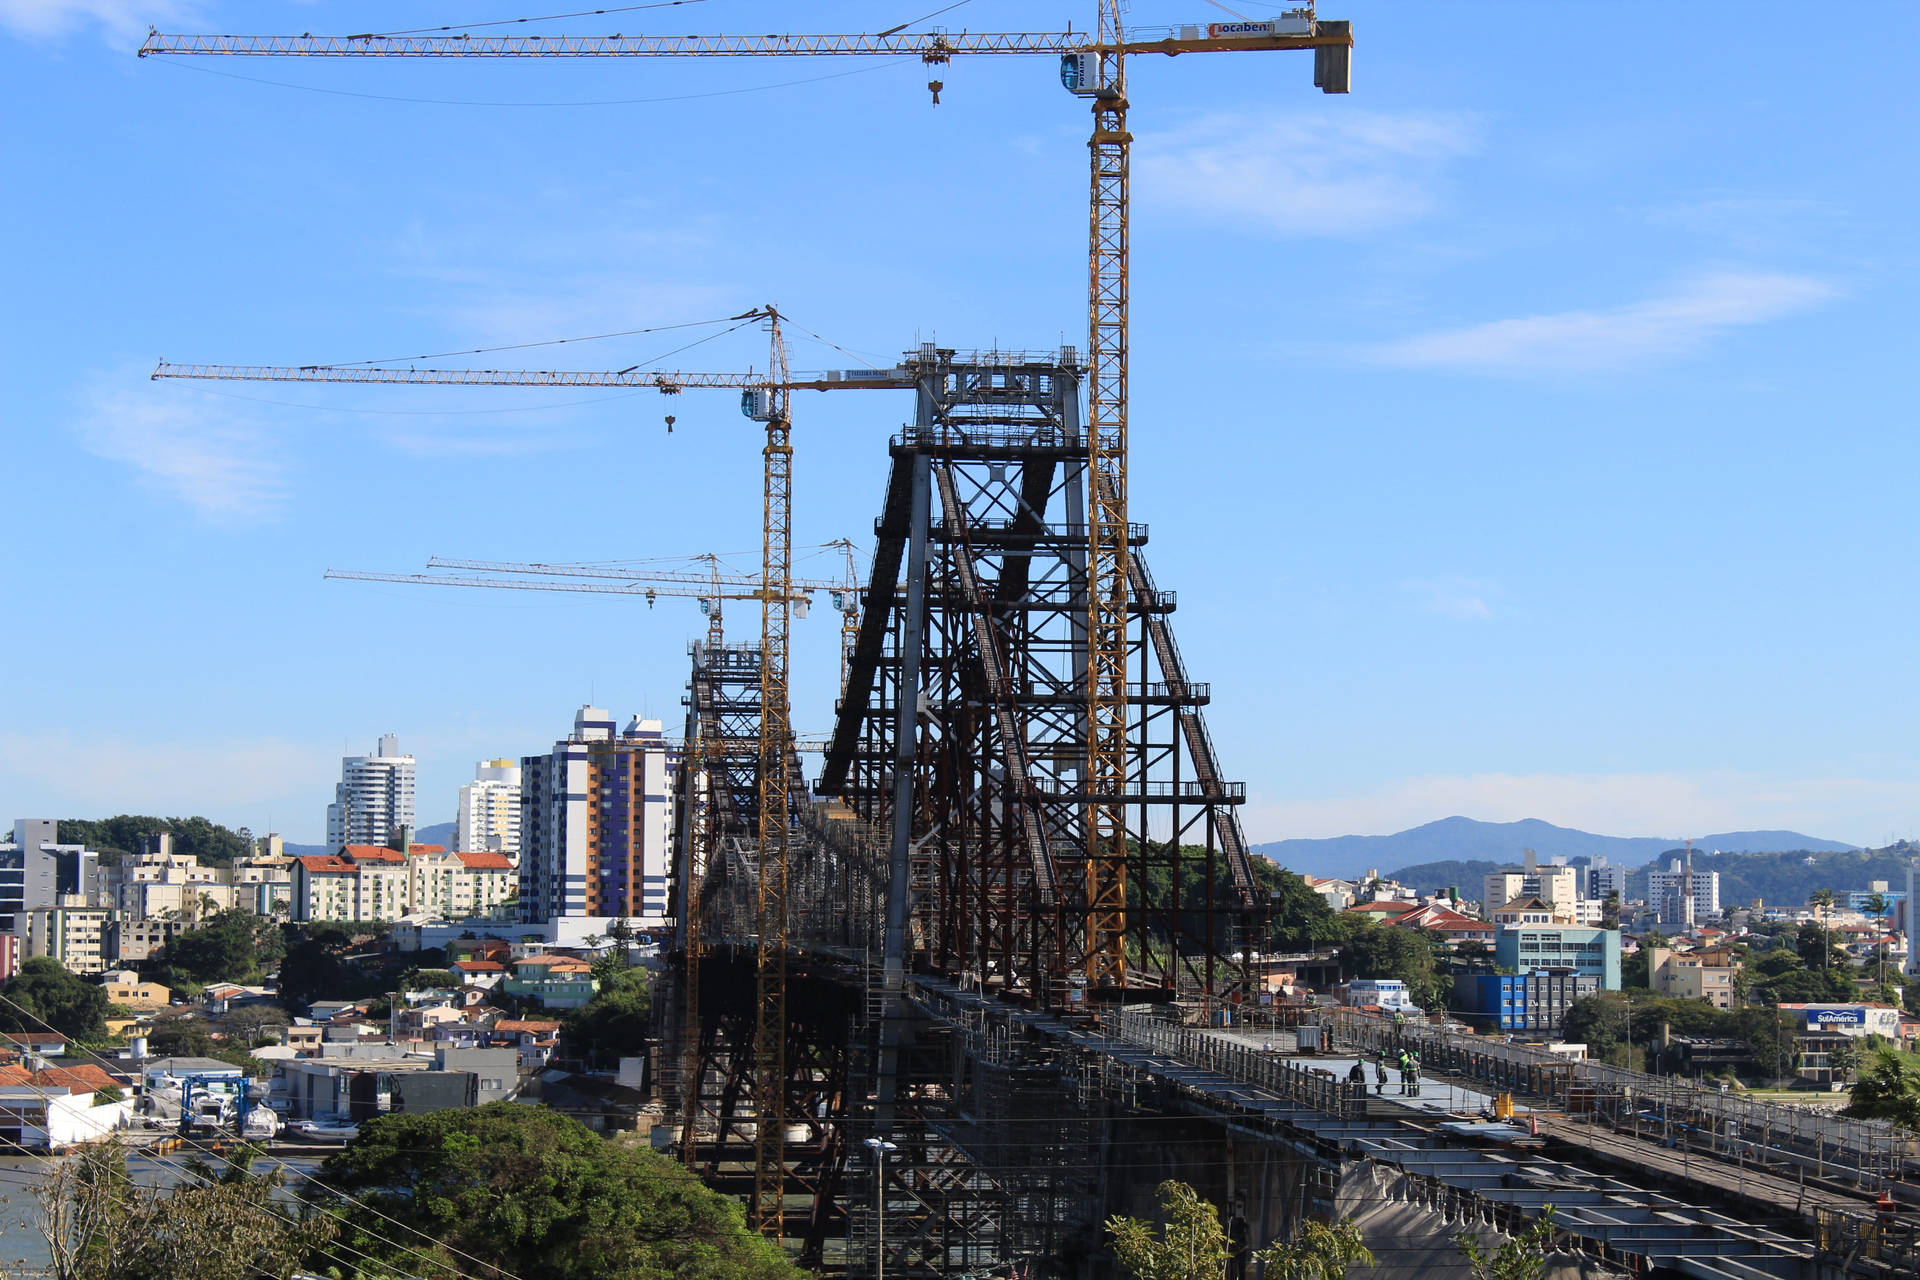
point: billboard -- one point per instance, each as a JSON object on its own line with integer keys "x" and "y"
{"x": 1835, "y": 1016}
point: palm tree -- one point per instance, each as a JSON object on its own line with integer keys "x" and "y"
{"x": 1821, "y": 900}
{"x": 1877, "y": 908}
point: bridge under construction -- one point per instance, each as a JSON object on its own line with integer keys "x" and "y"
{"x": 960, "y": 1088}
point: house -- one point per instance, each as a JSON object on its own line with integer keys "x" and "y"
{"x": 125, "y": 989}
{"x": 1381, "y": 912}
{"x": 552, "y": 980}
{"x": 533, "y": 1037}
{"x": 1529, "y": 910}
{"x": 417, "y": 1021}
{"x": 48, "y": 1044}
{"x": 479, "y": 973}
{"x": 1706, "y": 974}
{"x": 59, "y": 1108}
{"x": 1454, "y": 927}
{"x": 1339, "y": 894}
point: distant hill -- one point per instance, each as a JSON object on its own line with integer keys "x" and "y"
{"x": 438, "y": 833}
{"x": 1466, "y": 841}
{"x": 1785, "y": 879}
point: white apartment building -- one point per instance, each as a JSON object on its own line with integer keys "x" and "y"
{"x": 370, "y": 882}
{"x": 489, "y": 816}
{"x": 374, "y": 798}
{"x": 75, "y": 936}
{"x": 1667, "y": 894}
{"x": 1555, "y": 883}
{"x": 460, "y": 885}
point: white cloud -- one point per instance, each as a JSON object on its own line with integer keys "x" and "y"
{"x": 1673, "y": 805}
{"x": 1462, "y": 598}
{"x": 208, "y": 456}
{"x": 121, "y": 19}
{"x": 1338, "y": 176}
{"x": 1660, "y": 328}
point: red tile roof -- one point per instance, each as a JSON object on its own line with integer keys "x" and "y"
{"x": 424, "y": 850}
{"x": 325, "y": 863}
{"x": 85, "y": 1077}
{"x": 485, "y": 861}
{"x": 374, "y": 853}
{"x": 533, "y": 1025}
{"x": 478, "y": 966}
{"x": 12, "y": 1073}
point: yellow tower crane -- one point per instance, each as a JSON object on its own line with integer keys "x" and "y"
{"x": 1091, "y": 66}
{"x": 711, "y": 588}
{"x": 765, "y": 398}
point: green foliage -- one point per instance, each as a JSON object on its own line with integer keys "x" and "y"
{"x": 1302, "y": 920}
{"x": 43, "y": 994}
{"x": 1602, "y": 1021}
{"x": 541, "y": 1197}
{"x": 427, "y": 979}
{"x": 1191, "y": 1246}
{"x": 100, "y": 1225}
{"x": 210, "y": 842}
{"x": 1888, "y": 1089}
{"x": 1374, "y": 950}
{"x": 1318, "y": 1251}
{"x": 232, "y": 946}
{"x": 615, "y": 1023}
{"x": 317, "y": 967}
{"x": 1520, "y": 1257}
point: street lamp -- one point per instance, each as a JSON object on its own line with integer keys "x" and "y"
{"x": 880, "y": 1147}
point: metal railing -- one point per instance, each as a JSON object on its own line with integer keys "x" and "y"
{"x": 1861, "y": 1153}
{"x": 1290, "y": 1078}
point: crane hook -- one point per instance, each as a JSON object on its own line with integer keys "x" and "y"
{"x": 936, "y": 86}
{"x": 669, "y": 424}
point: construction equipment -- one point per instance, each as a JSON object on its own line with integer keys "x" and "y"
{"x": 765, "y": 398}
{"x": 1091, "y": 66}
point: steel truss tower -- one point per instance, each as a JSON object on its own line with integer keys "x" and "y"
{"x": 961, "y": 731}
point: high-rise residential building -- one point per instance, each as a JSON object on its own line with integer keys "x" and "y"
{"x": 489, "y": 816}
{"x": 1683, "y": 897}
{"x": 374, "y": 799}
{"x": 1604, "y": 878}
{"x": 34, "y": 866}
{"x": 1555, "y": 883}
{"x": 595, "y": 821}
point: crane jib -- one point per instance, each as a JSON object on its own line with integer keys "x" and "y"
{"x": 934, "y": 47}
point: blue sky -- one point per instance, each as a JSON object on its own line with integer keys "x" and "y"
{"x": 1527, "y": 434}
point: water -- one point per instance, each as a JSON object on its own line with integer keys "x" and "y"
{"x": 23, "y": 1249}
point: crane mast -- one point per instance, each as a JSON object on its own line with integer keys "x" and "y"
{"x": 1092, "y": 66}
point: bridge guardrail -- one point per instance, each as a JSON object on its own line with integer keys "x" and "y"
{"x": 1289, "y": 1077}
{"x": 1863, "y": 1153}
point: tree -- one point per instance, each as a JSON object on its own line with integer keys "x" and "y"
{"x": 1889, "y": 1089}
{"x": 43, "y": 994}
{"x": 230, "y": 946}
{"x": 1388, "y": 951}
{"x": 539, "y": 1196}
{"x": 1318, "y": 1251}
{"x": 1192, "y": 1245}
{"x": 1519, "y": 1257}
{"x": 253, "y": 1024}
{"x": 614, "y": 1024}
{"x": 1610, "y": 910}
{"x": 100, "y": 1225}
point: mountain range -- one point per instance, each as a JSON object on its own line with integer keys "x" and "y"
{"x": 1464, "y": 840}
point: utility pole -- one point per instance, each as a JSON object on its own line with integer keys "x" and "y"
{"x": 880, "y": 1147}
